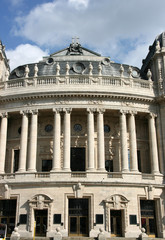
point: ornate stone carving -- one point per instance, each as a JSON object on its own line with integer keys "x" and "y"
{"x": 74, "y": 48}
{"x": 115, "y": 202}
{"x": 78, "y": 190}
{"x": 39, "y": 201}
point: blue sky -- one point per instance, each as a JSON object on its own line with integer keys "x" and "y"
{"x": 120, "y": 29}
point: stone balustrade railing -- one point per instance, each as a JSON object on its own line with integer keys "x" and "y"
{"x": 77, "y": 80}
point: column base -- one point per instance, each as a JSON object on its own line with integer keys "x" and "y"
{"x": 55, "y": 170}
{"x": 125, "y": 171}
{"x": 2, "y": 172}
{"x": 66, "y": 169}
{"x": 101, "y": 170}
{"x": 21, "y": 171}
{"x": 91, "y": 170}
{"x": 32, "y": 170}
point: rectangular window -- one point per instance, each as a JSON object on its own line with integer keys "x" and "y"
{"x": 23, "y": 218}
{"x": 109, "y": 165}
{"x": 99, "y": 218}
{"x": 46, "y": 165}
{"x": 133, "y": 219}
{"x": 16, "y": 160}
{"x": 57, "y": 219}
{"x": 139, "y": 160}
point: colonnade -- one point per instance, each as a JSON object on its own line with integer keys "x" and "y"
{"x": 56, "y": 162}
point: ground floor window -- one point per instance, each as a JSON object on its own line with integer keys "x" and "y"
{"x": 148, "y": 218}
{"x": 8, "y": 214}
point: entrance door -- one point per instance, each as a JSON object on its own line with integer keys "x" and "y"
{"x": 116, "y": 223}
{"x": 78, "y": 217}
{"x": 41, "y": 222}
{"x": 148, "y": 220}
{"x": 8, "y": 214}
{"x": 78, "y": 159}
{"x": 149, "y": 224}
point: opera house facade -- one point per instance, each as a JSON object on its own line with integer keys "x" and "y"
{"x": 82, "y": 144}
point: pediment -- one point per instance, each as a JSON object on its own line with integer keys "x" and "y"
{"x": 75, "y": 50}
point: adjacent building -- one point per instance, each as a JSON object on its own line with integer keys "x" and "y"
{"x": 82, "y": 144}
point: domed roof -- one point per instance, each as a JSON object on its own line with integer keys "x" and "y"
{"x": 77, "y": 60}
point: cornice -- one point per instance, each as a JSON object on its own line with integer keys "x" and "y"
{"x": 111, "y": 95}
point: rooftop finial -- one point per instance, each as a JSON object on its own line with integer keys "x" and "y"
{"x": 75, "y": 40}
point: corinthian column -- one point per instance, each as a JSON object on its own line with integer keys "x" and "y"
{"x": 90, "y": 139}
{"x": 3, "y": 140}
{"x": 123, "y": 141}
{"x": 133, "y": 144}
{"x": 153, "y": 144}
{"x": 100, "y": 140}
{"x": 33, "y": 141}
{"x": 56, "y": 166}
{"x": 67, "y": 124}
{"x": 23, "y": 142}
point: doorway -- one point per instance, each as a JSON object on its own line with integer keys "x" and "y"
{"x": 77, "y": 159}
{"x": 8, "y": 214}
{"x": 148, "y": 219}
{"x": 41, "y": 222}
{"x": 116, "y": 223}
{"x": 78, "y": 217}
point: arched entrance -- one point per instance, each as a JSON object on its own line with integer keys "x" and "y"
{"x": 116, "y": 215}
{"x": 39, "y": 213}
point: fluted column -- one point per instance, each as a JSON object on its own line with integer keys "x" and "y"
{"x": 153, "y": 144}
{"x": 100, "y": 140}
{"x": 33, "y": 141}
{"x": 3, "y": 140}
{"x": 67, "y": 146}
{"x": 23, "y": 142}
{"x": 56, "y": 165}
{"x": 132, "y": 142}
{"x": 91, "y": 165}
{"x": 123, "y": 141}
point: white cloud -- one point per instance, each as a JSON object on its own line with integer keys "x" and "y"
{"x": 78, "y": 4}
{"x": 116, "y": 28}
{"x": 24, "y": 54}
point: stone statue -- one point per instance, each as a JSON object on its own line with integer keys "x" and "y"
{"x": 27, "y": 71}
{"x": 35, "y": 70}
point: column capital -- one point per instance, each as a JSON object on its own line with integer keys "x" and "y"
{"x": 91, "y": 110}
{"x": 4, "y": 115}
{"x": 123, "y": 112}
{"x": 57, "y": 110}
{"x": 152, "y": 115}
{"x": 67, "y": 110}
{"x": 100, "y": 110}
{"x": 33, "y": 111}
{"x": 24, "y": 112}
{"x": 133, "y": 112}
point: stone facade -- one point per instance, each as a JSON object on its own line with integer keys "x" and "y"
{"x": 82, "y": 145}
